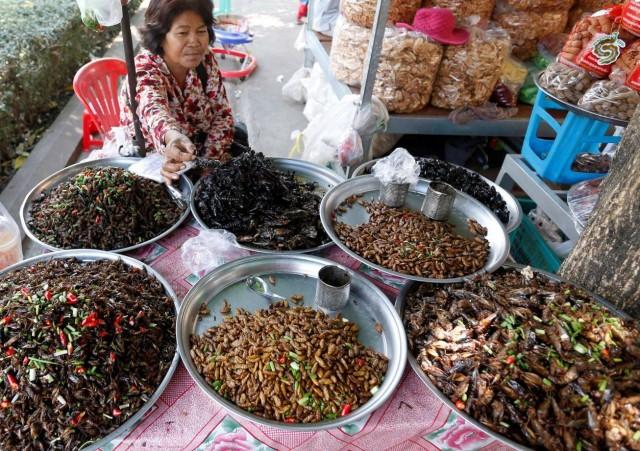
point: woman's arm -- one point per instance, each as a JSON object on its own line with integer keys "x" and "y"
{"x": 220, "y": 134}
{"x": 153, "y": 106}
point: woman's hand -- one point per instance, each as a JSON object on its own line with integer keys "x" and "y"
{"x": 179, "y": 149}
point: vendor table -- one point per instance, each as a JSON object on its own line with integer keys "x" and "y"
{"x": 184, "y": 418}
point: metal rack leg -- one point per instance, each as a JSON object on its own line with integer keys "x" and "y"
{"x": 515, "y": 171}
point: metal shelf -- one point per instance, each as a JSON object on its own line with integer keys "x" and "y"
{"x": 431, "y": 120}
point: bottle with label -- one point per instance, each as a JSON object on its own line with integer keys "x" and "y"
{"x": 10, "y": 240}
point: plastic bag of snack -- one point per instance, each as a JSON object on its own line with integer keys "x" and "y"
{"x": 565, "y": 82}
{"x": 470, "y": 12}
{"x": 537, "y": 4}
{"x": 512, "y": 78}
{"x": 527, "y": 27}
{"x": 627, "y": 69}
{"x": 595, "y": 43}
{"x": 363, "y": 12}
{"x": 611, "y": 99}
{"x": 468, "y": 73}
{"x": 408, "y": 65}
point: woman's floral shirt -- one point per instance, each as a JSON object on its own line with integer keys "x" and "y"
{"x": 164, "y": 106}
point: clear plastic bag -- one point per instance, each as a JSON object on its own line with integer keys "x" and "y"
{"x": 512, "y": 77}
{"x": 399, "y": 167}
{"x": 527, "y": 27}
{"x": 333, "y": 137}
{"x": 470, "y": 12}
{"x": 294, "y": 89}
{"x": 96, "y": 13}
{"x": 582, "y": 199}
{"x": 536, "y": 4}
{"x": 10, "y": 240}
{"x": 319, "y": 93}
{"x": 487, "y": 112}
{"x": 362, "y": 12}
{"x": 408, "y": 65}
{"x": 565, "y": 82}
{"x": 117, "y": 143}
{"x": 210, "y": 249}
{"x": 611, "y": 99}
{"x": 468, "y": 73}
{"x": 625, "y": 70}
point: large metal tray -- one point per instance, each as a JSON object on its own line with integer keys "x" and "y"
{"x": 464, "y": 207}
{"x": 88, "y": 255}
{"x": 295, "y": 274}
{"x": 400, "y": 306}
{"x": 185, "y": 186}
{"x": 307, "y": 172}
{"x": 578, "y": 109}
{"x": 515, "y": 210}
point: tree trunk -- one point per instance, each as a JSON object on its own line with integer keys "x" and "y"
{"x": 606, "y": 259}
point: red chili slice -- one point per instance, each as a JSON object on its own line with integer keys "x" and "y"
{"x": 63, "y": 338}
{"x": 360, "y": 361}
{"x": 460, "y": 405}
{"x": 289, "y": 420}
{"x": 116, "y": 412}
{"x": 76, "y": 420}
{"x": 25, "y": 291}
{"x": 345, "y": 410}
{"x": 112, "y": 357}
{"x": 510, "y": 360}
{"x": 72, "y": 299}
{"x": 10, "y": 351}
{"x": 13, "y": 382}
{"x": 48, "y": 295}
{"x": 5, "y": 404}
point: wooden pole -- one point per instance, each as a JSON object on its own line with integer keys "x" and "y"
{"x": 606, "y": 259}
{"x": 131, "y": 75}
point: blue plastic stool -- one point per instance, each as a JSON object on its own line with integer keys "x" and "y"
{"x": 552, "y": 158}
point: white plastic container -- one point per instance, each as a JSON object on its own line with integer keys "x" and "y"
{"x": 10, "y": 240}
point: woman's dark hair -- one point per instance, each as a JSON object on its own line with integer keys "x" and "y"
{"x": 161, "y": 14}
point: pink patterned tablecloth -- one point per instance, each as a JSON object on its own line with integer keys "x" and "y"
{"x": 186, "y": 419}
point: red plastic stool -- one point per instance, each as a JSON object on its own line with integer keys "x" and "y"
{"x": 248, "y": 63}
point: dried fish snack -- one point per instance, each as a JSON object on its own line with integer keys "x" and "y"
{"x": 468, "y": 73}
{"x": 294, "y": 365}
{"x": 363, "y": 12}
{"x": 408, "y": 65}
{"x": 538, "y": 361}
{"x": 80, "y": 356}
{"x": 105, "y": 208}
{"x": 263, "y": 206}
{"x": 408, "y": 242}
{"x": 466, "y": 11}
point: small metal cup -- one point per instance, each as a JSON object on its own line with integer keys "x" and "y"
{"x": 394, "y": 194}
{"x": 333, "y": 288}
{"x": 438, "y": 201}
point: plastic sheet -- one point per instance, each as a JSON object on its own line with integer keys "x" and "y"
{"x": 468, "y": 73}
{"x": 399, "y": 167}
{"x": 409, "y": 62}
{"x": 611, "y": 99}
{"x": 470, "y": 12}
{"x": 210, "y": 249}
{"x": 565, "y": 82}
{"x": 582, "y": 199}
{"x": 362, "y": 12}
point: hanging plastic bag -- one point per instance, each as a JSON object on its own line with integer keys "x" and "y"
{"x": 210, "y": 249}
{"x": 329, "y": 139}
{"x": 10, "y": 240}
{"x": 294, "y": 89}
{"x": 320, "y": 94}
{"x": 117, "y": 143}
{"x": 100, "y": 13}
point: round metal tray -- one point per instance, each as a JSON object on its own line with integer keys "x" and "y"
{"x": 307, "y": 172}
{"x": 578, "y": 109}
{"x": 400, "y": 306}
{"x": 185, "y": 186}
{"x": 295, "y": 274}
{"x": 88, "y": 255}
{"x": 515, "y": 210}
{"x": 464, "y": 207}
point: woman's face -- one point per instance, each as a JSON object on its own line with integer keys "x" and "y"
{"x": 187, "y": 41}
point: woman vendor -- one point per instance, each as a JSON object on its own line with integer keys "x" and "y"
{"x": 182, "y": 103}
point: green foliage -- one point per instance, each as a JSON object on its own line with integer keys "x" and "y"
{"x": 42, "y": 45}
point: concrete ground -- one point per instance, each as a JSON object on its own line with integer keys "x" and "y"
{"x": 258, "y": 101}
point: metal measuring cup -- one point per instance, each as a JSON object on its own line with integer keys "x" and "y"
{"x": 394, "y": 194}
{"x": 333, "y": 288}
{"x": 438, "y": 201}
